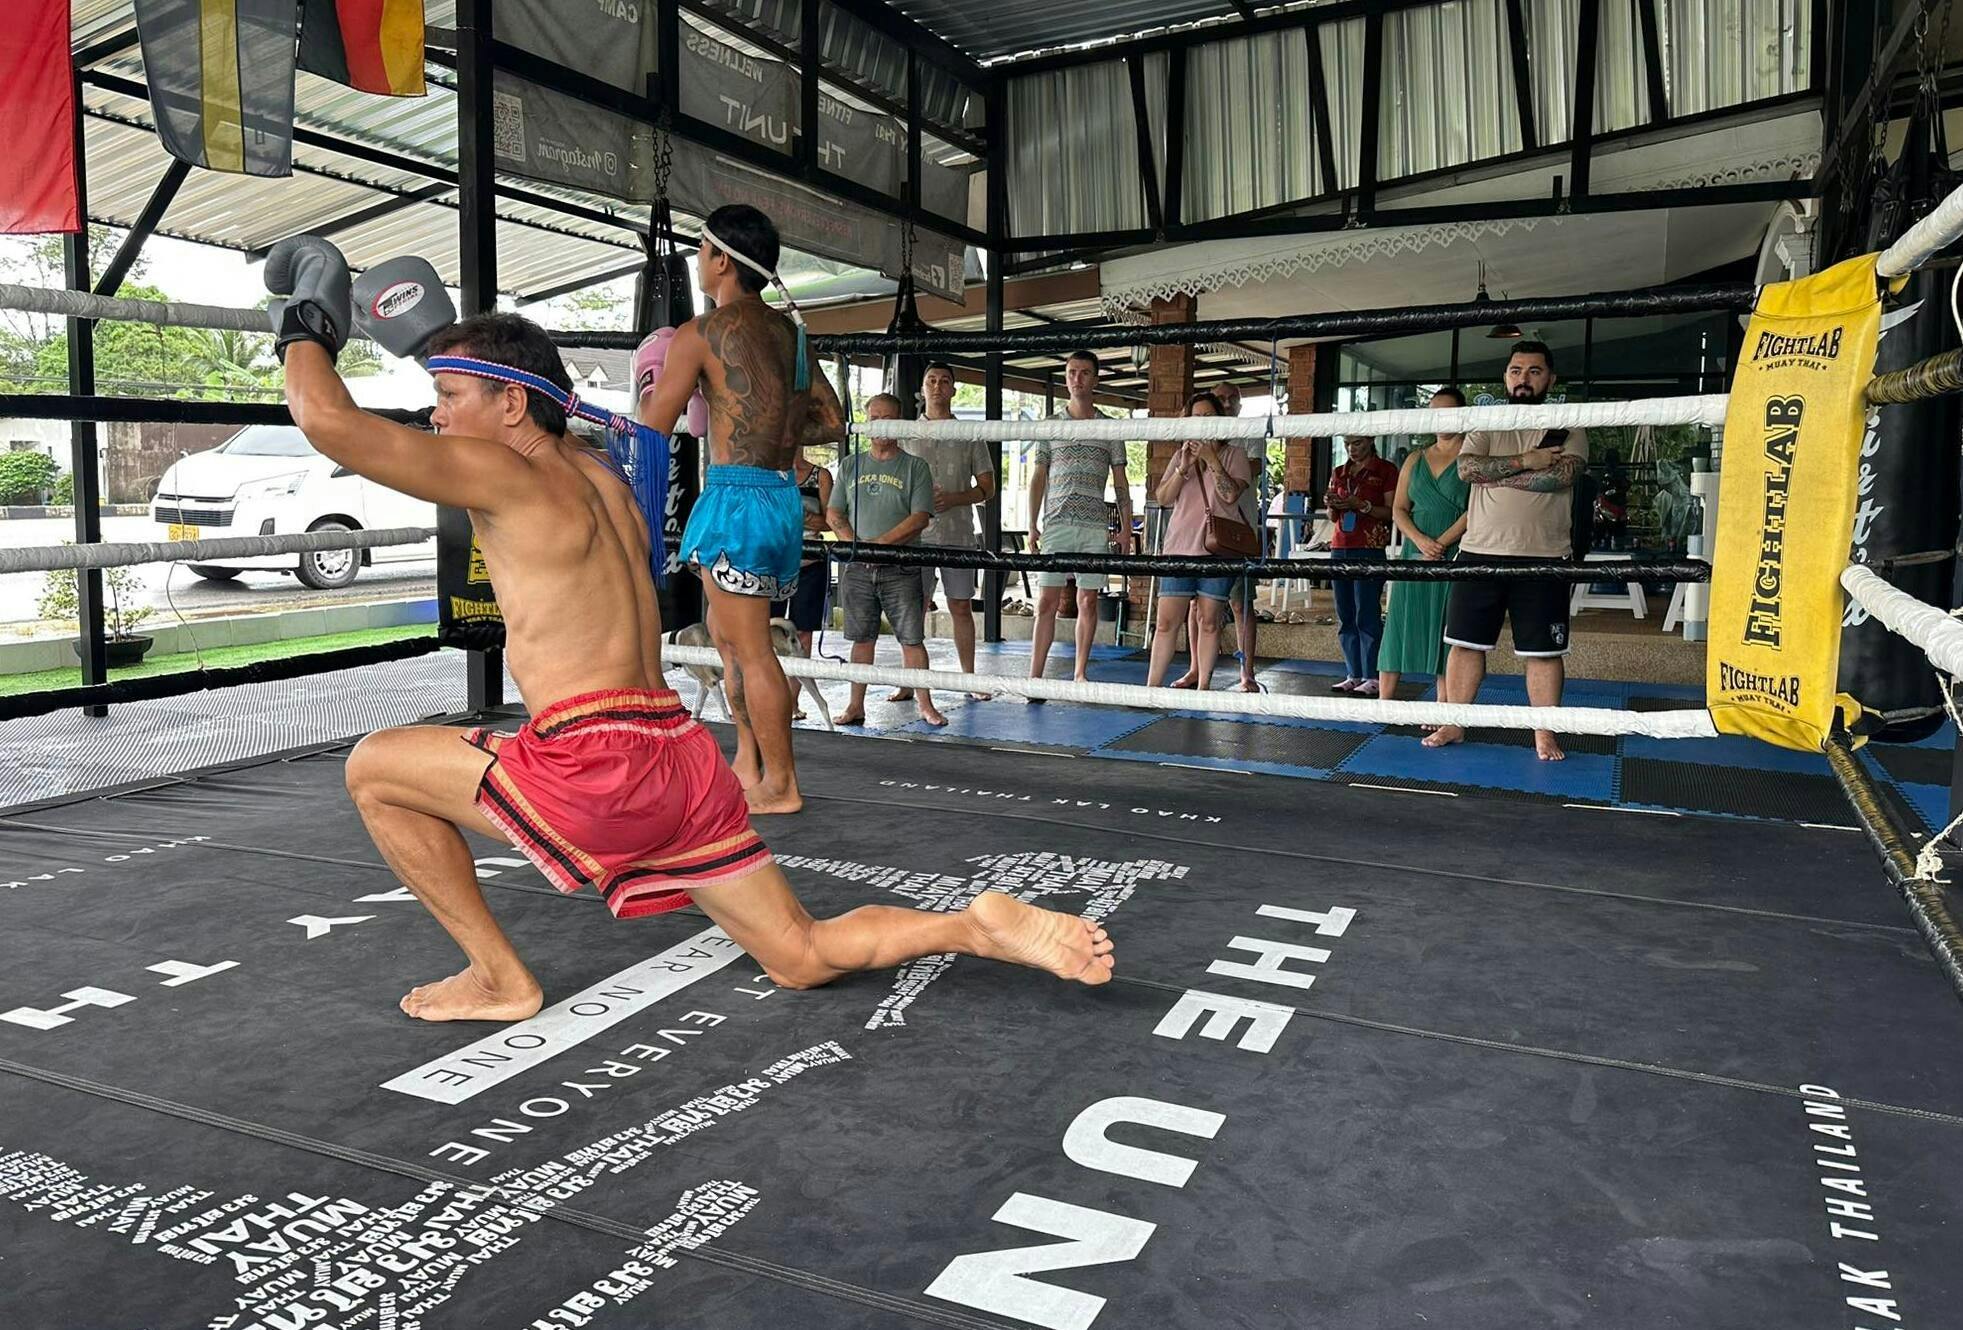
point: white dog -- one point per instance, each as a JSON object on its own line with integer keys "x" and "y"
{"x": 783, "y": 640}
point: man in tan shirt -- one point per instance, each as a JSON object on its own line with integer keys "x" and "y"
{"x": 1520, "y": 512}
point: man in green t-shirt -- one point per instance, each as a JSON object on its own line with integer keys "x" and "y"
{"x": 883, "y": 497}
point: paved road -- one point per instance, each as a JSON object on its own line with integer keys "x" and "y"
{"x": 165, "y": 584}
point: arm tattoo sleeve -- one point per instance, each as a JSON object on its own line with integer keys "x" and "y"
{"x": 1488, "y": 470}
{"x": 1560, "y": 476}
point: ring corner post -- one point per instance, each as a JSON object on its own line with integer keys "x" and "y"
{"x": 477, "y": 238}
{"x": 83, "y": 440}
{"x": 994, "y": 579}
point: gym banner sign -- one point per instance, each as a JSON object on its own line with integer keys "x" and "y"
{"x": 1792, "y": 448}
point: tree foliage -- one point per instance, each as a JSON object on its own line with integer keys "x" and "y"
{"x": 136, "y": 359}
{"x": 24, "y": 475}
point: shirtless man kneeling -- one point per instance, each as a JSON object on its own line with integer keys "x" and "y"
{"x": 610, "y": 783}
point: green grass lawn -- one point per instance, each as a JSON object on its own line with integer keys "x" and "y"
{"x": 32, "y": 683}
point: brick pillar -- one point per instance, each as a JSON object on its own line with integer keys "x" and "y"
{"x": 1298, "y": 454}
{"x": 1170, "y": 383}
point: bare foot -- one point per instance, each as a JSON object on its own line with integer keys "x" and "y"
{"x": 1548, "y": 746}
{"x": 901, "y": 695}
{"x": 1065, "y": 945}
{"x": 846, "y": 718}
{"x": 1185, "y": 680}
{"x": 931, "y": 714}
{"x": 1247, "y": 685}
{"x": 783, "y": 799}
{"x": 1442, "y": 736}
{"x": 981, "y": 697}
{"x": 749, "y": 772}
{"x": 463, "y": 997}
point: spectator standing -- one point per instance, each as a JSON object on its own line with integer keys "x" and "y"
{"x": 964, "y": 479}
{"x": 1520, "y": 512}
{"x": 1429, "y": 512}
{"x": 1068, "y": 514}
{"x": 883, "y": 497}
{"x": 1358, "y": 502}
{"x": 1205, "y": 479}
{"x": 806, "y": 606}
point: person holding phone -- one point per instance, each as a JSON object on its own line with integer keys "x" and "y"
{"x": 1521, "y": 511}
{"x": 1203, "y": 482}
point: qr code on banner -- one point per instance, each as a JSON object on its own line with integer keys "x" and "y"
{"x": 508, "y": 117}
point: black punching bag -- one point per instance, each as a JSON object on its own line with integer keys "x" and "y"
{"x": 906, "y": 370}
{"x": 1908, "y": 502}
{"x": 664, "y": 297}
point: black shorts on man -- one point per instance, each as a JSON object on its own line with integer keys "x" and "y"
{"x": 1537, "y": 609}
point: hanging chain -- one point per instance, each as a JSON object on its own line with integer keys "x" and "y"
{"x": 1925, "y": 78}
{"x": 906, "y": 250}
{"x": 664, "y": 155}
{"x": 1934, "y": 66}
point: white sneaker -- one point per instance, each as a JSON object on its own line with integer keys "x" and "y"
{"x": 1346, "y": 686}
{"x": 1368, "y": 688}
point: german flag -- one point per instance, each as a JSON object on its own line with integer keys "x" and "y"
{"x": 370, "y": 45}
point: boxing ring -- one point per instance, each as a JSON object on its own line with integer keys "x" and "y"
{"x": 1387, "y": 1077}
{"x": 1377, "y": 1051}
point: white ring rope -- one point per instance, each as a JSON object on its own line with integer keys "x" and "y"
{"x": 1940, "y": 637}
{"x": 1931, "y": 629}
{"x": 1704, "y": 410}
{"x": 87, "y": 305}
{"x": 114, "y": 554}
{"x": 1925, "y": 239}
{"x": 1687, "y": 724}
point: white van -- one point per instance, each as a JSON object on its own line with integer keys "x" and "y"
{"x": 267, "y": 480}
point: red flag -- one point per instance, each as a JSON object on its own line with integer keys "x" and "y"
{"x": 37, "y": 106}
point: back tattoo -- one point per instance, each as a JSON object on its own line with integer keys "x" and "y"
{"x": 760, "y": 421}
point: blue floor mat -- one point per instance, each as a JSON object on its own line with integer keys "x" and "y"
{"x": 1055, "y": 724}
{"x": 1216, "y": 764}
{"x": 1726, "y": 751}
{"x": 1063, "y": 649}
{"x": 1931, "y": 801}
{"x": 1582, "y": 777}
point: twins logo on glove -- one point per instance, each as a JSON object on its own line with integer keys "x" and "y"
{"x": 400, "y": 303}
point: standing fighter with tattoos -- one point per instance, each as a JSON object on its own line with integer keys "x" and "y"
{"x": 746, "y": 535}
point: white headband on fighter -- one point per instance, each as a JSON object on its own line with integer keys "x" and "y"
{"x": 801, "y": 378}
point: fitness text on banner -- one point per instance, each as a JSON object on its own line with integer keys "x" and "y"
{"x": 1792, "y": 448}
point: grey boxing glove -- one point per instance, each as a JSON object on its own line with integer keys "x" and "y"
{"x": 312, "y": 276}
{"x": 400, "y": 303}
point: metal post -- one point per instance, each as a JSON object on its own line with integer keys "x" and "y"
{"x": 992, "y": 403}
{"x": 1581, "y": 124}
{"x": 477, "y": 242}
{"x": 83, "y": 452}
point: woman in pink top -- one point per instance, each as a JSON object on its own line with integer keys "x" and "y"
{"x": 1205, "y": 478}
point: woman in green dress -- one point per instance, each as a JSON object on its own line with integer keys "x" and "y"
{"x": 1429, "y": 511}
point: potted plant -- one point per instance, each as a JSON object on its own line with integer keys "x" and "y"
{"x": 126, "y": 646}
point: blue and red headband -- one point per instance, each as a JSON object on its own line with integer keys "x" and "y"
{"x": 639, "y": 453}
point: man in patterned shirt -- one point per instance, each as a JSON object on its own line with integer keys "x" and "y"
{"x": 1068, "y": 514}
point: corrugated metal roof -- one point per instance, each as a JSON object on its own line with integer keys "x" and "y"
{"x": 538, "y": 247}
{"x": 1005, "y": 28}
